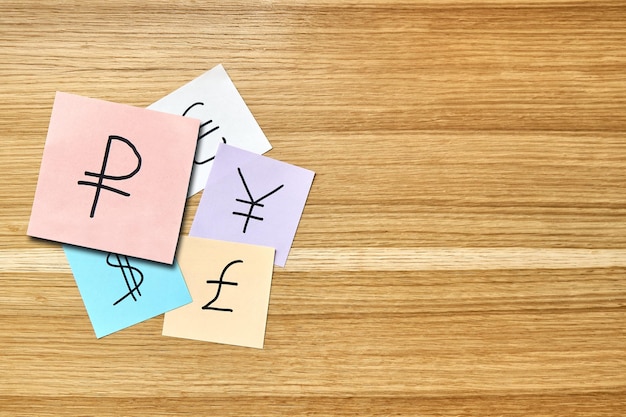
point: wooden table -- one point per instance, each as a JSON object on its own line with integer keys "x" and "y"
{"x": 463, "y": 248}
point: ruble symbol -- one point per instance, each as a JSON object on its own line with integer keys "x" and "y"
{"x": 103, "y": 176}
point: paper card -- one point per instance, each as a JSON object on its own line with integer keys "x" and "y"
{"x": 119, "y": 291}
{"x": 230, "y": 286}
{"x": 114, "y": 178}
{"x": 213, "y": 98}
{"x": 253, "y": 199}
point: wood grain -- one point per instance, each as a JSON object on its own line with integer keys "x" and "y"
{"x": 463, "y": 248}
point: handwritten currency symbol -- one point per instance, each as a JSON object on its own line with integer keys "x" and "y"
{"x": 253, "y": 203}
{"x": 201, "y": 134}
{"x": 221, "y": 282}
{"x": 103, "y": 176}
{"x": 128, "y": 272}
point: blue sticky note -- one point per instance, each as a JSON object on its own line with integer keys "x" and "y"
{"x": 120, "y": 291}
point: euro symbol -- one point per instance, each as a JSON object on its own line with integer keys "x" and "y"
{"x": 128, "y": 272}
{"x": 202, "y": 135}
{"x": 102, "y": 176}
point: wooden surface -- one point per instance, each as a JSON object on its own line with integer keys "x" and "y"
{"x": 463, "y": 249}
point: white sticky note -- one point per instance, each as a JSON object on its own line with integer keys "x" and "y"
{"x": 224, "y": 117}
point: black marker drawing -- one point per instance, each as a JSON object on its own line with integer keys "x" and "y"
{"x": 128, "y": 272}
{"x": 221, "y": 282}
{"x": 253, "y": 203}
{"x": 102, "y": 176}
{"x": 202, "y": 135}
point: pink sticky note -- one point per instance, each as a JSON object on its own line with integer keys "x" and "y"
{"x": 114, "y": 178}
{"x": 230, "y": 285}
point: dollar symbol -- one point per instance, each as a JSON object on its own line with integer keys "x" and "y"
{"x": 128, "y": 272}
{"x": 102, "y": 176}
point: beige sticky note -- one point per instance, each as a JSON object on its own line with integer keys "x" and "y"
{"x": 230, "y": 286}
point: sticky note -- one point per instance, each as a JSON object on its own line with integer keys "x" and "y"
{"x": 224, "y": 116}
{"x": 230, "y": 287}
{"x": 114, "y": 178}
{"x": 120, "y": 291}
{"x": 253, "y": 199}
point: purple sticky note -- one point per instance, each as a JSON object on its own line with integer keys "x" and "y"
{"x": 250, "y": 198}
